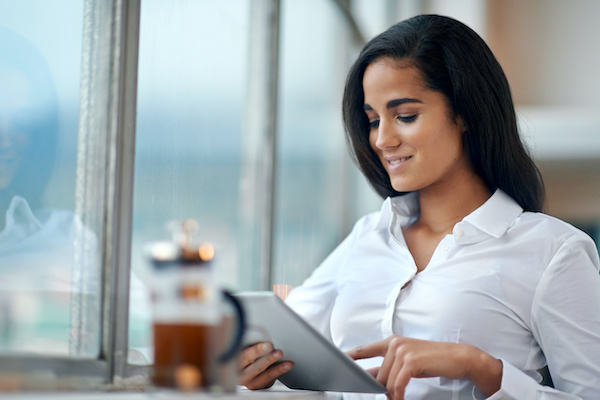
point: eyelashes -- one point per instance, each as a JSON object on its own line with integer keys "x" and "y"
{"x": 407, "y": 120}
{"x": 374, "y": 124}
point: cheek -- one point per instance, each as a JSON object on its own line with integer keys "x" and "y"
{"x": 372, "y": 139}
{"x": 22, "y": 143}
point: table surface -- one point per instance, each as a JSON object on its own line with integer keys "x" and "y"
{"x": 277, "y": 393}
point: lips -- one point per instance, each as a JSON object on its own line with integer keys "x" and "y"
{"x": 6, "y": 161}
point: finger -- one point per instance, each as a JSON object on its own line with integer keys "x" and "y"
{"x": 252, "y": 353}
{"x": 384, "y": 370}
{"x": 259, "y": 366}
{"x": 392, "y": 363}
{"x": 370, "y": 350}
{"x": 390, "y": 369}
{"x": 268, "y": 377}
{"x": 373, "y": 371}
{"x": 389, "y": 360}
{"x": 398, "y": 387}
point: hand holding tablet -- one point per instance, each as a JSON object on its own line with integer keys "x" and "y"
{"x": 318, "y": 364}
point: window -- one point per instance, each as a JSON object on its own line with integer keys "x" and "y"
{"x": 186, "y": 114}
{"x": 189, "y": 141}
{"x": 201, "y": 116}
{"x": 50, "y": 288}
{"x": 66, "y": 65}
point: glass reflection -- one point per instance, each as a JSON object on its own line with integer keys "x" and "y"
{"x": 37, "y": 281}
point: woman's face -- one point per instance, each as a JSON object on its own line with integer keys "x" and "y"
{"x": 411, "y": 129}
{"x": 14, "y": 103}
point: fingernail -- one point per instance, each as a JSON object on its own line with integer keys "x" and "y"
{"x": 267, "y": 347}
{"x": 277, "y": 355}
{"x": 287, "y": 367}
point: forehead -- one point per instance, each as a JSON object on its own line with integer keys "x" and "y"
{"x": 15, "y": 91}
{"x": 385, "y": 77}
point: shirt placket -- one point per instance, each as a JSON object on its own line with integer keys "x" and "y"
{"x": 393, "y": 298}
{"x": 440, "y": 254}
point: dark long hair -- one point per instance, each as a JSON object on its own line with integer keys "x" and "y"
{"x": 456, "y": 62}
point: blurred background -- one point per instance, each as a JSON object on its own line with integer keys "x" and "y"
{"x": 191, "y": 158}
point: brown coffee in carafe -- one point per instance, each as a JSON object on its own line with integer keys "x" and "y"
{"x": 183, "y": 354}
{"x": 189, "y": 317}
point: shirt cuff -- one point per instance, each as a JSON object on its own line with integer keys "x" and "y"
{"x": 515, "y": 385}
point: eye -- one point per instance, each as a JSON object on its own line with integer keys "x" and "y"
{"x": 407, "y": 119}
{"x": 374, "y": 124}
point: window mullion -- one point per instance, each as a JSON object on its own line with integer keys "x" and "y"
{"x": 105, "y": 161}
{"x": 259, "y": 158}
{"x": 122, "y": 118}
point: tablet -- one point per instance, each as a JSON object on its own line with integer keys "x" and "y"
{"x": 318, "y": 364}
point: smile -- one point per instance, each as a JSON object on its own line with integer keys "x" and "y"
{"x": 399, "y": 160}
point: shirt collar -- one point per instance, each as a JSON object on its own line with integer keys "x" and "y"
{"x": 20, "y": 217}
{"x": 496, "y": 215}
{"x": 492, "y": 218}
{"x": 400, "y": 210}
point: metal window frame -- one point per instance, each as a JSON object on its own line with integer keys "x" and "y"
{"x": 260, "y": 144}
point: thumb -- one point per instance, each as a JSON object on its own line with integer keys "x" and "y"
{"x": 374, "y": 371}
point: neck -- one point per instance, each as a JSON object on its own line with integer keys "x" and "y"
{"x": 3, "y": 208}
{"x": 6, "y": 197}
{"x": 442, "y": 208}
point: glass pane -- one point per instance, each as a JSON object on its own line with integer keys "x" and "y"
{"x": 42, "y": 282}
{"x": 191, "y": 87}
{"x": 317, "y": 196}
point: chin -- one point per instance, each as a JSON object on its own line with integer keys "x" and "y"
{"x": 404, "y": 188}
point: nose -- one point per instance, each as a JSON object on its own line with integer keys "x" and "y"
{"x": 4, "y": 136}
{"x": 387, "y": 135}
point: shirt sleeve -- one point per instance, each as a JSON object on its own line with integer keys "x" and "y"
{"x": 566, "y": 324}
{"x": 314, "y": 299}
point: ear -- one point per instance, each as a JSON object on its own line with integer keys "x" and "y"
{"x": 460, "y": 123}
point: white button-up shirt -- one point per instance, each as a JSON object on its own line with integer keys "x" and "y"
{"x": 522, "y": 286}
{"x": 38, "y": 280}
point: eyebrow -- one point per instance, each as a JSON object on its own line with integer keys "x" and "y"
{"x": 395, "y": 103}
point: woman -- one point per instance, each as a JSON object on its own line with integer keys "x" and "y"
{"x": 37, "y": 273}
{"x": 459, "y": 287}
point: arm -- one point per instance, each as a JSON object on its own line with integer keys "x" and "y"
{"x": 566, "y": 318}
{"x": 313, "y": 300}
{"x": 566, "y": 325}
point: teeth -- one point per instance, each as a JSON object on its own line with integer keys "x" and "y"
{"x": 398, "y": 161}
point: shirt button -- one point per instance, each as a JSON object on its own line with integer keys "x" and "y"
{"x": 459, "y": 232}
{"x": 445, "y": 247}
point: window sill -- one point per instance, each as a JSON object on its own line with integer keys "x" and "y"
{"x": 275, "y": 394}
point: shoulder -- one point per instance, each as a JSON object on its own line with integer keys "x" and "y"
{"x": 367, "y": 222}
{"x": 558, "y": 238}
{"x": 59, "y": 224}
{"x": 548, "y": 227}
{"x": 54, "y": 218}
